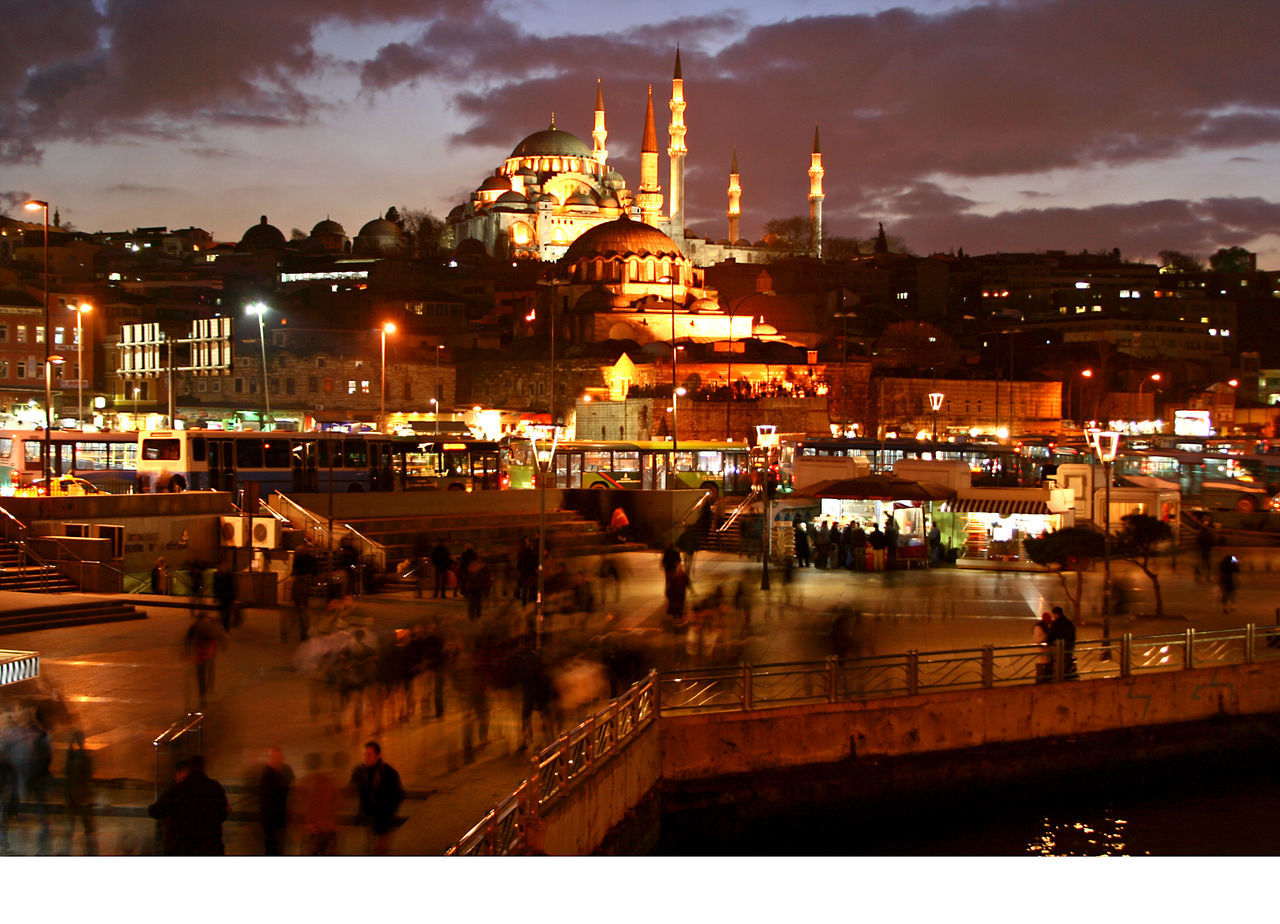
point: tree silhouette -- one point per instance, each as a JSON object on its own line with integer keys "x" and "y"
{"x": 1072, "y": 550}
{"x": 1137, "y": 541}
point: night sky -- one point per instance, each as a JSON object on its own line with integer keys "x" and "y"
{"x": 1077, "y": 124}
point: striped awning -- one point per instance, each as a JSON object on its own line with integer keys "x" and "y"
{"x": 1002, "y": 506}
{"x": 16, "y": 666}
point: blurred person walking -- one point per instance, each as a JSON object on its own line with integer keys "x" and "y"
{"x": 202, "y": 641}
{"x": 224, "y": 592}
{"x": 192, "y": 810}
{"x": 274, "y": 784}
{"x": 376, "y": 785}
{"x": 1064, "y": 630}
{"x": 801, "y": 541}
{"x": 304, "y": 571}
{"x": 316, "y": 798}
{"x": 1228, "y": 568}
{"x": 441, "y": 560}
{"x": 79, "y": 793}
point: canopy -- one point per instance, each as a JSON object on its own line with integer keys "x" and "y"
{"x": 881, "y": 487}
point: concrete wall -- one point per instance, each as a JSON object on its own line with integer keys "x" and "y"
{"x": 426, "y": 503}
{"x": 579, "y": 823}
{"x": 704, "y": 746}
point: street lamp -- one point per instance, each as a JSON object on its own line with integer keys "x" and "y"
{"x": 32, "y": 206}
{"x": 672, "y": 280}
{"x": 1153, "y": 377}
{"x": 435, "y": 388}
{"x": 260, "y": 309}
{"x": 935, "y": 402}
{"x": 49, "y": 363}
{"x": 1105, "y": 443}
{"x": 543, "y": 460}
{"x": 1084, "y": 374}
{"x": 387, "y": 328}
{"x": 80, "y": 310}
{"x": 136, "y": 390}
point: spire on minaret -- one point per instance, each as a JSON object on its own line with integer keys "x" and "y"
{"x": 735, "y": 199}
{"x": 553, "y": 122}
{"x": 815, "y": 197}
{"x": 649, "y": 195}
{"x": 598, "y": 134}
{"x": 882, "y": 241}
{"x": 677, "y": 152}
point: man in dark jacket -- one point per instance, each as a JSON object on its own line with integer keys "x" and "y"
{"x": 1064, "y": 630}
{"x": 440, "y": 561}
{"x": 377, "y": 785}
{"x": 858, "y": 546}
{"x": 273, "y": 801}
{"x": 193, "y": 810}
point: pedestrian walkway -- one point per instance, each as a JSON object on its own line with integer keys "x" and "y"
{"x": 124, "y": 683}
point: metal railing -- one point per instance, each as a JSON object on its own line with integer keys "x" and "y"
{"x": 17, "y": 666}
{"x": 369, "y": 550}
{"x": 185, "y": 737}
{"x": 315, "y": 528}
{"x": 557, "y": 768}
{"x": 739, "y": 510}
{"x": 73, "y": 561}
{"x": 764, "y": 686}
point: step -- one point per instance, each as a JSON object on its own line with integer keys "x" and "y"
{"x": 75, "y": 613}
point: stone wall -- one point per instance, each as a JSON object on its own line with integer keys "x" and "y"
{"x": 648, "y": 418}
{"x": 525, "y": 384}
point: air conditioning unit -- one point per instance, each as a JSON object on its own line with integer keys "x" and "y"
{"x": 231, "y": 532}
{"x": 265, "y": 533}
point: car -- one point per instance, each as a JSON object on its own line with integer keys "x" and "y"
{"x": 65, "y": 485}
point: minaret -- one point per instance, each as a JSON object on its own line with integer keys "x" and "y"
{"x": 598, "y": 134}
{"x": 677, "y": 152}
{"x": 815, "y": 197}
{"x": 735, "y": 199}
{"x": 649, "y": 196}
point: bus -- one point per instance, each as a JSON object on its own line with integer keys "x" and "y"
{"x": 227, "y": 460}
{"x": 448, "y": 462}
{"x": 1216, "y": 481}
{"x": 808, "y": 461}
{"x": 720, "y": 467}
{"x": 107, "y": 460}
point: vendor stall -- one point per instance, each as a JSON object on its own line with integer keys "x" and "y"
{"x": 991, "y": 524}
{"x": 872, "y": 499}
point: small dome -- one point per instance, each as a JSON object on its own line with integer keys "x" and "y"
{"x": 705, "y": 305}
{"x": 609, "y": 202}
{"x": 380, "y": 227}
{"x": 525, "y": 170}
{"x": 546, "y": 197}
{"x": 494, "y": 184}
{"x": 328, "y": 226}
{"x": 262, "y": 236}
{"x": 583, "y": 199}
{"x": 615, "y": 179}
{"x": 551, "y": 142}
{"x": 765, "y": 330}
{"x": 513, "y": 201}
{"x": 621, "y": 236}
{"x": 457, "y": 213}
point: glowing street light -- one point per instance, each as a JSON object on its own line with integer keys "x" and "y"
{"x": 260, "y": 309}
{"x": 80, "y": 311}
{"x": 388, "y": 328}
{"x": 36, "y": 205}
{"x": 435, "y": 388}
{"x": 1105, "y": 445}
{"x": 136, "y": 390}
{"x": 1153, "y": 377}
{"x": 935, "y": 402}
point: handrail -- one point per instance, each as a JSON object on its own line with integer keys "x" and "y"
{"x": 10, "y": 518}
{"x": 72, "y": 556}
{"x": 368, "y": 548}
{"x": 748, "y": 687}
{"x": 739, "y": 510}
{"x": 557, "y": 769}
{"x": 193, "y": 722}
{"x": 317, "y": 526}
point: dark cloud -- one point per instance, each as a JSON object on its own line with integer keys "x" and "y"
{"x": 11, "y": 202}
{"x": 73, "y": 69}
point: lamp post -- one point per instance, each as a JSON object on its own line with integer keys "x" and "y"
{"x": 1153, "y": 377}
{"x": 260, "y": 309}
{"x": 1105, "y": 443}
{"x": 671, "y": 279}
{"x": 49, "y": 362}
{"x": 80, "y": 310}
{"x": 543, "y": 460}
{"x": 935, "y": 402}
{"x": 435, "y": 388}
{"x": 387, "y": 328}
{"x": 136, "y": 390}
{"x": 32, "y": 206}
{"x": 1084, "y": 374}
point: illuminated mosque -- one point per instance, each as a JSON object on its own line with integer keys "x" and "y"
{"x": 626, "y": 268}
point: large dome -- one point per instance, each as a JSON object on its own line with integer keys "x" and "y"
{"x": 551, "y": 142}
{"x": 262, "y": 236}
{"x": 622, "y": 236}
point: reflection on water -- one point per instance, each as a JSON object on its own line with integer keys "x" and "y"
{"x": 1060, "y": 838}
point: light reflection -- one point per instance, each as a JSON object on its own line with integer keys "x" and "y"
{"x": 1082, "y": 839}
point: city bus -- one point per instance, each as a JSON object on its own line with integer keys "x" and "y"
{"x": 721, "y": 467}
{"x": 107, "y": 460}
{"x": 808, "y": 461}
{"x": 448, "y": 462}
{"x": 226, "y": 460}
{"x": 1216, "y": 481}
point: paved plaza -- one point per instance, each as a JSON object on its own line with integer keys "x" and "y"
{"x": 125, "y": 682}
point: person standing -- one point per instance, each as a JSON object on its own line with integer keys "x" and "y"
{"x": 305, "y": 569}
{"x": 193, "y": 810}
{"x": 160, "y": 577}
{"x": 935, "y": 544}
{"x": 527, "y": 571}
{"x": 618, "y": 524}
{"x": 877, "y": 542}
{"x": 1228, "y": 568}
{"x": 858, "y": 546}
{"x": 677, "y": 591}
{"x": 224, "y": 592}
{"x": 479, "y": 580}
{"x": 1064, "y": 630}
{"x": 273, "y": 801}
{"x": 376, "y": 785}
{"x": 1040, "y": 635}
{"x": 891, "y": 541}
{"x": 465, "y": 561}
{"x": 440, "y": 562}
{"x": 801, "y": 538}
{"x": 822, "y": 554}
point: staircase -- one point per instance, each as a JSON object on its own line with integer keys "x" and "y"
{"x": 29, "y": 578}
{"x": 64, "y": 615}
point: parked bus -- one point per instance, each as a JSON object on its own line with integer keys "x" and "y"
{"x": 824, "y": 458}
{"x": 1216, "y": 481}
{"x": 107, "y": 460}
{"x": 225, "y": 460}
{"x": 721, "y": 467}
{"x": 449, "y": 462}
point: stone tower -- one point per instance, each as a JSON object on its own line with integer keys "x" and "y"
{"x": 677, "y": 153}
{"x": 735, "y": 199}
{"x": 815, "y": 197}
{"x": 598, "y": 134}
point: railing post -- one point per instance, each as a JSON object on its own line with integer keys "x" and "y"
{"x": 833, "y": 675}
{"x": 1059, "y": 661}
{"x": 913, "y": 672}
{"x": 746, "y": 687}
{"x": 989, "y": 666}
{"x": 1250, "y": 640}
{"x": 1189, "y": 655}
{"x": 591, "y": 741}
{"x": 1126, "y": 654}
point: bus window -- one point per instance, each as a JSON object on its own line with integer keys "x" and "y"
{"x": 197, "y": 449}
{"x": 6, "y": 447}
{"x": 596, "y": 462}
{"x": 161, "y": 450}
{"x": 626, "y": 462}
{"x": 33, "y": 452}
{"x": 248, "y": 453}
{"x": 276, "y": 454}
{"x": 330, "y": 454}
{"x": 356, "y": 454}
